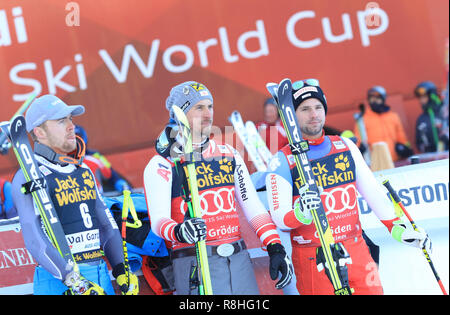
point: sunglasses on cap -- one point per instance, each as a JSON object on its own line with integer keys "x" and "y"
{"x": 301, "y": 83}
{"x": 420, "y": 91}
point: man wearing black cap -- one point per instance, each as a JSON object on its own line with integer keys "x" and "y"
{"x": 87, "y": 222}
{"x": 384, "y": 125}
{"x": 340, "y": 171}
{"x": 223, "y": 182}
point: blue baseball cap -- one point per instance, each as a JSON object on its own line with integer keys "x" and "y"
{"x": 187, "y": 94}
{"x": 49, "y": 107}
{"x": 377, "y": 89}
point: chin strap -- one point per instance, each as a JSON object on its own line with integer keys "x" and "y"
{"x": 75, "y": 157}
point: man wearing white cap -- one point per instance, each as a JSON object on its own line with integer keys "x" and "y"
{"x": 223, "y": 180}
{"x": 85, "y": 219}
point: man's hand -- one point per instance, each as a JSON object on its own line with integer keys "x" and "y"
{"x": 191, "y": 231}
{"x": 280, "y": 263}
{"x": 79, "y": 285}
{"x": 128, "y": 283}
{"x": 408, "y": 236}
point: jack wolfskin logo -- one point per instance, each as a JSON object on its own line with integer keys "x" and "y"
{"x": 342, "y": 162}
{"x": 225, "y": 165}
{"x": 331, "y": 171}
{"x": 88, "y": 179}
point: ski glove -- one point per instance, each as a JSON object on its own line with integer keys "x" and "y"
{"x": 280, "y": 263}
{"x": 308, "y": 200}
{"x": 191, "y": 231}
{"x": 128, "y": 284}
{"x": 79, "y": 285}
{"x": 403, "y": 150}
{"x": 411, "y": 237}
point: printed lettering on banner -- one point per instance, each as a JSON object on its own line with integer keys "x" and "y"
{"x": 423, "y": 190}
{"x": 16, "y": 263}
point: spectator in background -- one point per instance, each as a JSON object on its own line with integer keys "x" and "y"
{"x": 7, "y": 209}
{"x": 384, "y": 125}
{"x": 430, "y": 134}
{"x": 105, "y": 175}
{"x": 270, "y": 125}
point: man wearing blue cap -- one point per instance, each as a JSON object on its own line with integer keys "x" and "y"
{"x": 85, "y": 219}
{"x": 223, "y": 180}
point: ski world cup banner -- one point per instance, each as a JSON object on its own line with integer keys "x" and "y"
{"x": 120, "y": 58}
{"x": 422, "y": 188}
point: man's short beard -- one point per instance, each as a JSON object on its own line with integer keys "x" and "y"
{"x": 312, "y": 132}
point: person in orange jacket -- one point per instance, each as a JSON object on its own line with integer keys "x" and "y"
{"x": 384, "y": 125}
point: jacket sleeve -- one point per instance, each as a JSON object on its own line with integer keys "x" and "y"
{"x": 35, "y": 238}
{"x": 249, "y": 202}
{"x": 110, "y": 237}
{"x": 401, "y": 135}
{"x": 279, "y": 189}
{"x": 158, "y": 194}
{"x": 369, "y": 188}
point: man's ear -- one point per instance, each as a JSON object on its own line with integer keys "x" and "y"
{"x": 39, "y": 133}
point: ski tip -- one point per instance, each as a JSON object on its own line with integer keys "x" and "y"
{"x": 284, "y": 81}
{"x": 18, "y": 120}
{"x": 272, "y": 88}
{"x": 235, "y": 115}
{"x": 4, "y": 123}
{"x": 16, "y": 124}
{"x": 285, "y": 85}
{"x": 4, "y": 131}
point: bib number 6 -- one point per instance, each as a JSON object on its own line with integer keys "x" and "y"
{"x": 87, "y": 220}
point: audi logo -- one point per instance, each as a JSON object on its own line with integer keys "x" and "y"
{"x": 340, "y": 199}
{"x": 213, "y": 202}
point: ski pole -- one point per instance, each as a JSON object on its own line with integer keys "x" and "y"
{"x": 127, "y": 207}
{"x": 124, "y": 237}
{"x": 401, "y": 209}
